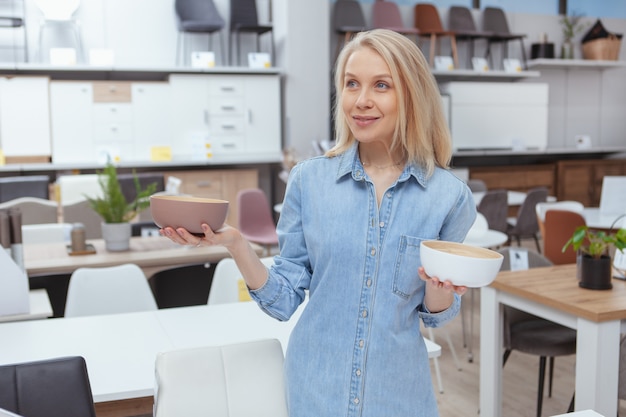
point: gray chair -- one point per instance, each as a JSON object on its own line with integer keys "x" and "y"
{"x": 347, "y": 18}
{"x": 34, "y": 210}
{"x": 24, "y": 186}
{"x": 461, "y": 22}
{"x": 476, "y": 185}
{"x": 533, "y": 335}
{"x": 386, "y": 15}
{"x": 198, "y": 17}
{"x": 56, "y": 387}
{"x": 81, "y": 212}
{"x": 495, "y": 22}
{"x": 494, "y": 206}
{"x": 525, "y": 225}
{"x": 244, "y": 19}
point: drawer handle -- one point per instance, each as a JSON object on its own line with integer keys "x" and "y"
{"x": 229, "y": 127}
{"x": 112, "y": 89}
{"x": 228, "y": 107}
{"x": 114, "y": 129}
{"x": 227, "y": 88}
{"x": 113, "y": 109}
{"x": 229, "y": 145}
{"x": 203, "y": 183}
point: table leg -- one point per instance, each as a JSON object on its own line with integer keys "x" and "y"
{"x": 490, "y": 353}
{"x": 597, "y": 366}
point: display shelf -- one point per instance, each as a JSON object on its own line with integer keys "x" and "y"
{"x": 545, "y": 63}
{"x": 492, "y": 75}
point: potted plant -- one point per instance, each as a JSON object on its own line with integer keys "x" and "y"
{"x": 594, "y": 259}
{"x": 571, "y": 26}
{"x": 115, "y": 211}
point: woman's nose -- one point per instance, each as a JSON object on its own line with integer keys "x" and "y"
{"x": 364, "y": 98}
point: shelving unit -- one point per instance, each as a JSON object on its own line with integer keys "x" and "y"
{"x": 470, "y": 75}
{"x": 544, "y": 63}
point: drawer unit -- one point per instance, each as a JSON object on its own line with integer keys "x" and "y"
{"x": 112, "y": 92}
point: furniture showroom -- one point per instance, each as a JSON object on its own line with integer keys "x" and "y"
{"x": 220, "y": 99}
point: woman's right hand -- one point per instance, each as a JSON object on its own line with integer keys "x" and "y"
{"x": 227, "y": 236}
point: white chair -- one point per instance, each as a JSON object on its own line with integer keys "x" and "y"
{"x": 235, "y": 380}
{"x": 46, "y": 233}
{"x": 73, "y": 188}
{"x": 60, "y": 13}
{"x": 612, "y": 195}
{"x": 108, "y": 290}
{"x": 228, "y": 285}
{"x": 34, "y": 209}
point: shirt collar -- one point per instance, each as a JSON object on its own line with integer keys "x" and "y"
{"x": 349, "y": 163}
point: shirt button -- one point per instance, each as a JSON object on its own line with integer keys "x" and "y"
{"x": 364, "y": 313}
{"x": 358, "y": 372}
{"x": 388, "y": 195}
{"x": 373, "y": 251}
{"x": 361, "y": 343}
{"x": 356, "y": 401}
{"x": 368, "y": 282}
{"x": 381, "y": 224}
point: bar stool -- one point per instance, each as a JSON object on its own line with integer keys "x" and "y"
{"x": 60, "y": 13}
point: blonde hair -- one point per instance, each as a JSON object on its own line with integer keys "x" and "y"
{"x": 421, "y": 129}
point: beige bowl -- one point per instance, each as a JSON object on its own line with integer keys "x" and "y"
{"x": 467, "y": 265}
{"x": 188, "y": 212}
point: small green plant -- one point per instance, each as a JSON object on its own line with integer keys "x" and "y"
{"x": 571, "y": 26}
{"x": 596, "y": 243}
{"x": 112, "y": 206}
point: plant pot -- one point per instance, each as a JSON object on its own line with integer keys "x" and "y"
{"x": 567, "y": 50}
{"x": 594, "y": 273}
{"x": 116, "y": 236}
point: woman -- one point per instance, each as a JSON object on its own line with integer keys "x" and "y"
{"x": 350, "y": 229}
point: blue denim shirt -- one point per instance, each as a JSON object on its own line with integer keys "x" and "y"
{"x": 357, "y": 349}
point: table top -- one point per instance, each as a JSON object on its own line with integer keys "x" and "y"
{"x": 490, "y": 239}
{"x": 597, "y": 220}
{"x": 154, "y": 251}
{"x": 557, "y": 287}
{"x": 40, "y": 307}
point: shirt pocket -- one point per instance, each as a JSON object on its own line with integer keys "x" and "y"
{"x": 406, "y": 280}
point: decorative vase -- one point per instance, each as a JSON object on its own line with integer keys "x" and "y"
{"x": 116, "y": 236}
{"x": 594, "y": 273}
{"x": 567, "y": 50}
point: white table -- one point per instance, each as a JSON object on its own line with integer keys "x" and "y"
{"x": 40, "y": 307}
{"x": 597, "y": 220}
{"x": 490, "y": 239}
{"x": 553, "y": 293}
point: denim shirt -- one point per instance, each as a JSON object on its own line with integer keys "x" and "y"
{"x": 357, "y": 349}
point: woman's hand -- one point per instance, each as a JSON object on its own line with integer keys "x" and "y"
{"x": 439, "y": 294}
{"x": 227, "y": 236}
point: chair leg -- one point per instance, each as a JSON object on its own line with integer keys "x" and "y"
{"x": 550, "y": 372}
{"x": 505, "y": 357}
{"x": 455, "y": 57}
{"x": 571, "y": 403}
{"x": 431, "y": 53}
{"x": 537, "y": 243}
{"x": 542, "y": 374}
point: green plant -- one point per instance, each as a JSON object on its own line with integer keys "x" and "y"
{"x": 112, "y": 206}
{"x": 596, "y": 243}
{"x": 571, "y": 25}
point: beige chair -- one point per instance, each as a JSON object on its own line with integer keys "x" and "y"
{"x": 79, "y": 211}
{"x": 228, "y": 285}
{"x": 34, "y": 210}
{"x": 235, "y": 380}
{"x": 108, "y": 290}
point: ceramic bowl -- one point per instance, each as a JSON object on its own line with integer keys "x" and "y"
{"x": 188, "y": 212}
{"x": 467, "y": 265}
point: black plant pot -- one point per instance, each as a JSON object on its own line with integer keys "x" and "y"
{"x": 594, "y": 273}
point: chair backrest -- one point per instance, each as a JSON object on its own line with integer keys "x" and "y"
{"x": 228, "y": 285}
{"x": 427, "y": 18}
{"x": 127, "y": 183}
{"x": 526, "y": 223}
{"x": 243, "y": 13}
{"x": 494, "y": 20}
{"x": 183, "y": 285}
{"x": 460, "y": 19}
{"x": 46, "y": 233}
{"x": 254, "y": 217}
{"x": 73, "y": 188}
{"x": 347, "y": 13}
{"x": 542, "y": 207}
{"x": 108, "y": 290}
{"x": 494, "y": 206}
{"x": 80, "y": 211}
{"x": 34, "y": 209}
{"x": 57, "y": 9}
{"x": 235, "y": 380}
{"x": 24, "y": 186}
{"x": 386, "y": 14}
{"x": 476, "y": 185}
{"x": 479, "y": 227}
{"x": 559, "y": 226}
{"x": 56, "y": 387}
{"x": 198, "y": 10}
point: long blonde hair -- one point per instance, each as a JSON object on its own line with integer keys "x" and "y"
{"x": 421, "y": 129}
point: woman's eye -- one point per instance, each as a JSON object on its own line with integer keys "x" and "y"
{"x": 382, "y": 85}
{"x": 351, "y": 83}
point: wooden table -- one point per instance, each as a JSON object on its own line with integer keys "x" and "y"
{"x": 553, "y": 293}
{"x": 151, "y": 254}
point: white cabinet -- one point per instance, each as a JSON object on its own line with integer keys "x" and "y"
{"x": 71, "y": 113}
{"x": 24, "y": 117}
{"x": 151, "y": 117}
{"x": 225, "y": 115}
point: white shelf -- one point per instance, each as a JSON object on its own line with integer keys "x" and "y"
{"x": 574, "y": 64}
{"x": 492, "y": 75}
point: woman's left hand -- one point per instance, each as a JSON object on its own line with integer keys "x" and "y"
{"x": 436, "y": 283}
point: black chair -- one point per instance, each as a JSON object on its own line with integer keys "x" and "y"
{"x": 56, "y": 285}
{"x": 347, "y": 19}
{"x": 525, "y": 224}
{"x": 127, "y": 183}
{"x": 198, "y": 17}
{"x": 533, "y": 335}
{"x": 461, "y": 22}
{"x": 24, "y": 186}
{"x": 244, "y": 19}
{"x": 495, "y": 22}
{"x": 494, "y": 206}
{"x": 182, "y": 286}
{"x": 48, "y": 388}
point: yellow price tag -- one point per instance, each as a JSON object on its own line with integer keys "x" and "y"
{"x": 244, "y": 295}
{"x": 3, "y": 160}
{"x": 160, "y": 153}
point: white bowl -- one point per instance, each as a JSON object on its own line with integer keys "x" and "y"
{"x": 466, "y": 265}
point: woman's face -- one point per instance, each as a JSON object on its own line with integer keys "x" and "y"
{"x": 369, "y": 99}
